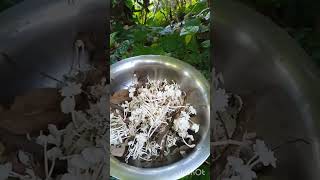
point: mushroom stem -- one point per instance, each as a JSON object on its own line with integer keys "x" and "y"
{"x": 45, "y": 159}
{"x": 51, "y": 168}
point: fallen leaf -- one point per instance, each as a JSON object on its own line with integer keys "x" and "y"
{"x": 162, "y": 134}
{"x": 14, "y": 143}
{"x": 93, "y": 155}
{"x": 246, "y": 115}
{"x": 21, "y": 123}
{"x": 120, "y": 96}
{"x": 142, "y": 76}
{"x": 82, "y": 102}
{"x": 17, "y": 166}
{"x": 184, "y": 148}
{"x": 94, "y": 77}
{"x": 78, "y": 161}
{"x": 118, "y": 151}
{"x": 40, "y": 99}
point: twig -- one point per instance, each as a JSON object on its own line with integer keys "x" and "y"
{"x": 291, "y": 142}
{"x": 9, "y": 60}
{"x": 12, "y": 62}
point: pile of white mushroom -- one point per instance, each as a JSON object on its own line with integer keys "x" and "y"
{"x": 236, "y": 167}
{"x": 149, "y": 111}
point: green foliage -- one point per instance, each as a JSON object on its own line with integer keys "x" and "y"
{"x": 164, "y": 29}
{"x": 141, "y": 40}
{"x": 161, "y": 35}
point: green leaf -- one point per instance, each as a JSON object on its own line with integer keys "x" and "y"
{"x": 140, "y": 34}
{"x": 129, "y": 3}
{"x": 192, "y": 22}
{"x": 189, "y": 30}
{"x": 188, "y": 38}
{"x": 203, "y": 28}
{"x": 113, "y": 38}
{"x": 159, "y": 36}
{"x": 123, "y": 48}
{"x": 207, "y": 17}
{"x": 172, "y": 43}
{"x": 140, "y": 49}
{"x": 206, "y": 44}
{"x": 113, "y": 59}
{"x": 198, "y": 7}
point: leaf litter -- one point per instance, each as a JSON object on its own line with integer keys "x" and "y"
{"x": 236, "y": 153}
{"x": 58, "y": 138}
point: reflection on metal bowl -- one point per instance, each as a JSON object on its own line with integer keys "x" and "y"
{"x": 254, "y": 55}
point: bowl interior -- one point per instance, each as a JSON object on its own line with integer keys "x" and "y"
{"x": 161, "y": 67}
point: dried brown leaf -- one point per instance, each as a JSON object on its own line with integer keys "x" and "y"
{"x": 94, "y": 77}
{"x": 162, "y": 134}
{"x": 118, "y": 151}
{"x": 82, "y": 102}
{"x": 13, "y": 143}
{"x": 22, "y": 123}
{"x": 120, "y": 96}
{"x": 142, "y": 76}
{"x": 40, "y": 99}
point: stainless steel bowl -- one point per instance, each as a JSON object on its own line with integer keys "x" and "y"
{"x": 162, "y": 67}
{"x": 256, "y": 55}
